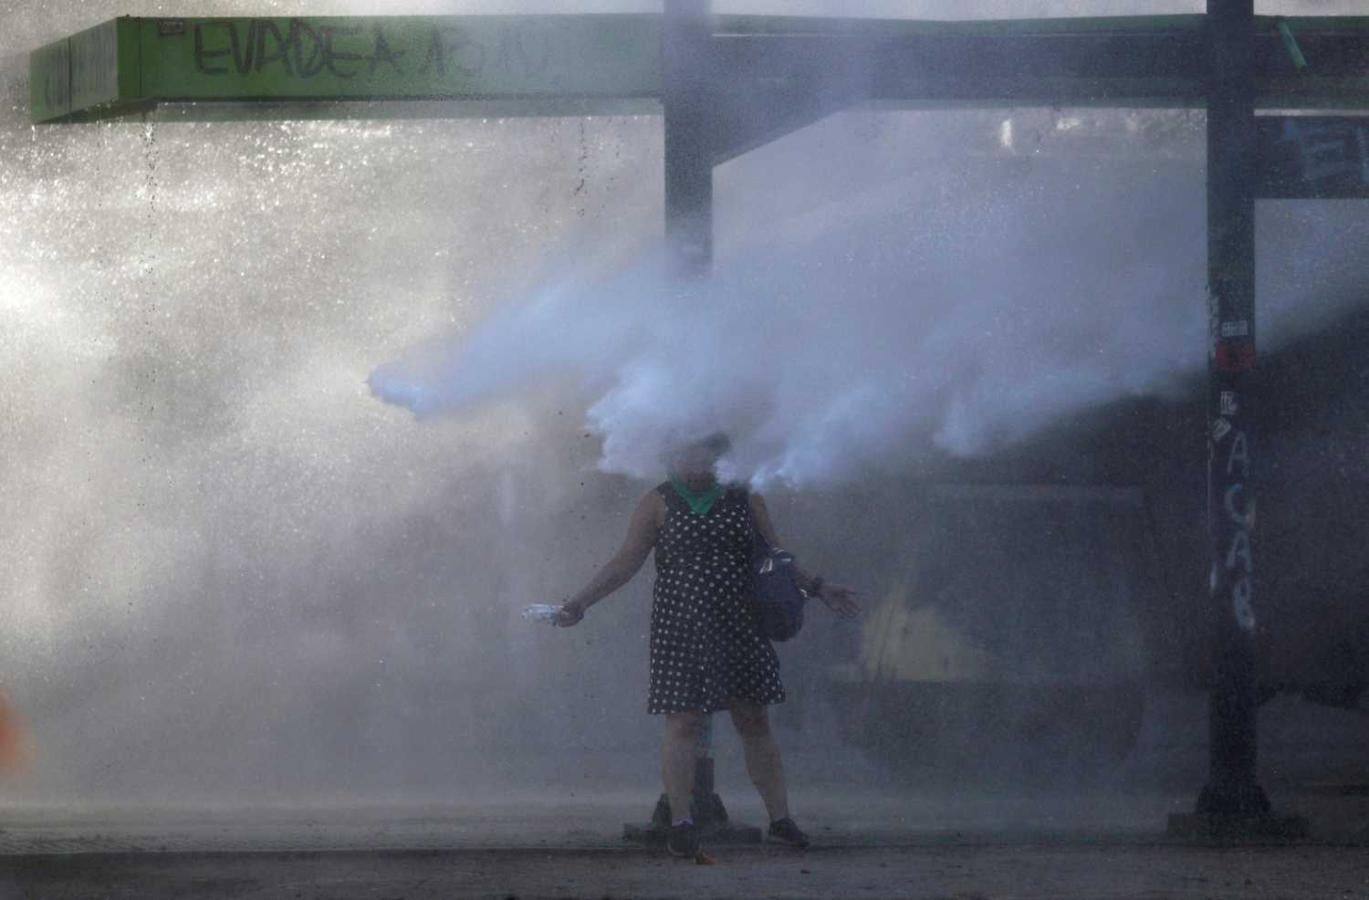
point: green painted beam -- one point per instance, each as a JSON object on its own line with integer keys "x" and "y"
{"x": 352, "y": 67}
{"x": 128, "y": 64}
{"x": 96, "y": 69}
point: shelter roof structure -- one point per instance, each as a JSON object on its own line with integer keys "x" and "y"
{"x": 578, "y": 64}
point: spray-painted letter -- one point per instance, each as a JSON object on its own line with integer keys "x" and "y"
{"x": 1240, "y": 552}
{"x": 1244, "y": 517}
{"x": 1239, "y": 453}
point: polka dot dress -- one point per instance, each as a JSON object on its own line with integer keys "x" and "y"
{"x": 706, "y": 645}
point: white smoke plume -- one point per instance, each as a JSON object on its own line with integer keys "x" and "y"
{"x": 952, "y": 310}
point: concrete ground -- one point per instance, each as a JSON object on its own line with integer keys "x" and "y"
{"x": 875, "y": 837}
{"x": 963, "y": 846}
{"x": 964, "y": 871}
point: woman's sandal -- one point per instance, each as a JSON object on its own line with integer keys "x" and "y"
{"x": 784, "y": 831}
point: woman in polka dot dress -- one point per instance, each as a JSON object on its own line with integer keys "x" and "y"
{"x": 707, "y": 652}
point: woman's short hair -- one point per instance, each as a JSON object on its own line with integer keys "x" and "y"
{"x": 718, "y": 443}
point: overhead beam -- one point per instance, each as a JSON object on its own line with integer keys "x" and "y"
{"x": 989, "y": 68}
{"x": 132, "y": 64}
{"x": 1051, "y": 64}
{"x": 129, "y": 64}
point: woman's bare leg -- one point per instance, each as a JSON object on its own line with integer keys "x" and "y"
{"x": 763, "y": 761}
{"x": 677, "y": 760}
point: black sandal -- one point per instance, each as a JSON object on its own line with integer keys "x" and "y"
{"x": 683, "y": 840}
{"x": 784, "y": 831}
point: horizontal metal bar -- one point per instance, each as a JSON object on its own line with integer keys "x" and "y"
{"x": 1123, "y": 68}
{"x": 747, "y": 25}
{"x": 130, "y": 64}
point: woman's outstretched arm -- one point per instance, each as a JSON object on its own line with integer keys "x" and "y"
{"x": 838, "y": 598}
{"x": 641, "y": 537}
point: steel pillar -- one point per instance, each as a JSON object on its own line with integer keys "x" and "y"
{"x": 686, "y": 88}
{"x": 1232, "y": 788}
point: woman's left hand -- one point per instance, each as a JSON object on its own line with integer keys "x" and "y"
{"x": 840, "y": 600}
{"x": 569, "y": 615}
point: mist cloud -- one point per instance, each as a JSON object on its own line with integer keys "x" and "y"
{"x": 954, "y": 311}
{"x": 930, "y": 324}
{"x": 230, "y": 573}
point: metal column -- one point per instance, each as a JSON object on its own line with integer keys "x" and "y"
{"x": 1232, "y": 788}
{"x": 686, "y": 63}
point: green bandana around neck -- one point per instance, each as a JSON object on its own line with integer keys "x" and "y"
{"x": 700, "y": 504}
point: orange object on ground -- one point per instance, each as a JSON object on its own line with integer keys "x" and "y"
{"x": 15, "y": 753}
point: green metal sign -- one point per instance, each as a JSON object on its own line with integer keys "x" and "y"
{"x": 128, "y": 63}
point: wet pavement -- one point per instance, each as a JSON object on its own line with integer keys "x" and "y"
{"x": 925, "y": 845}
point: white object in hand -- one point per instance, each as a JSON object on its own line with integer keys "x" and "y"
{"x": 541, "y": 612}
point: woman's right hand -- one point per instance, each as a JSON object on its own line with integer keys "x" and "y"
{"x": 570, "y": 614}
